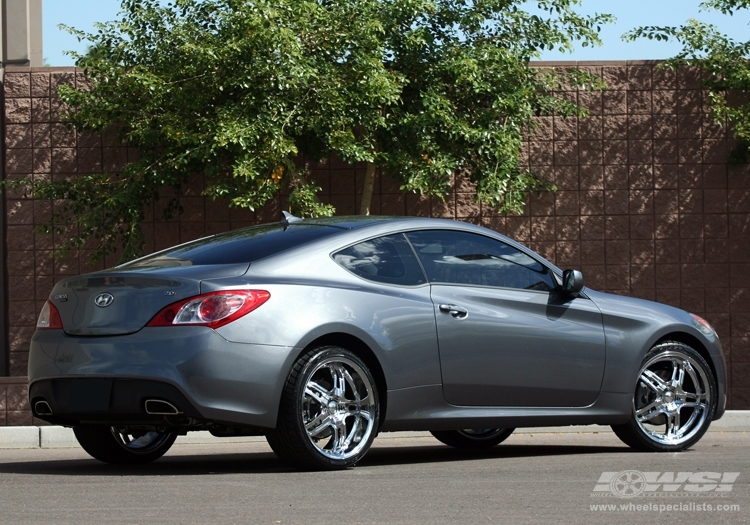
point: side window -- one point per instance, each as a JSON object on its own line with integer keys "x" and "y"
{"x": 387, "y": 260}
{"x": 468, "y": 258}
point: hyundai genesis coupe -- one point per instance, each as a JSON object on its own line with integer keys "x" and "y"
{"x": 320, "y": 333}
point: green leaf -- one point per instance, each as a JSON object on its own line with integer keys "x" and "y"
{"x": 249, "y": 92}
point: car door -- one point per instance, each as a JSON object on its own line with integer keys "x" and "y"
{"x": 507, "y": 335}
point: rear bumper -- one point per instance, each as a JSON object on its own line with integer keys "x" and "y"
{"x": 125, "y": 402}
{"x": 202, "y": 374}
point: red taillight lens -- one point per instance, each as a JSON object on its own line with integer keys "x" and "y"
{"x": 49, "y": 318}
{"x": 213, "y": 309}
{"x": 219, "y": 307}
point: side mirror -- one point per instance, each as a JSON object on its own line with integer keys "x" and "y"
{"x": 572, "y": 282}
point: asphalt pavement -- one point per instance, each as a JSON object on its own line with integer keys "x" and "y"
{"x": 560, "y": 478}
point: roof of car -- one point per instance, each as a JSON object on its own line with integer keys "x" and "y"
{"x": 352, "y": 222}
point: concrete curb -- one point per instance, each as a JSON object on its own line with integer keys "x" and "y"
{"x": 61, "y": 437}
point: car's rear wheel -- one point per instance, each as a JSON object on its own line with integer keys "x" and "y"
{"x": 329, "y": 411}
{"x": 122, "y": 446}
{"x": 473, "y": 438}
{"x": 673, "y": 402}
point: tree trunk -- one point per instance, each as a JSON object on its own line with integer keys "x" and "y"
{"x": 367, "y": 188}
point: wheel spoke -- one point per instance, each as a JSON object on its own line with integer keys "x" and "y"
{"x": 669, "y": 430}
{"x": 678, "y": 374}
{"x": 144, "y": 440}
{"x": 358, "y": 402}
{"x": 349, "y": 379}
{"x": 318, "y": 424}
{"x": 653, "y": 381}
{"x": 649, "y": 411}
{"x": 696, "y": 398}
{"x": 360, "y": 414}
{"x": 339, "y": 381}
{"x": 673, "y": 425}
{"x": 318, "y": 393}
{"x": 353, "y": 433}
{"x": 339, "y": 437}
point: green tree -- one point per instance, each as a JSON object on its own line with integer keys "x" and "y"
{"x": 246, "y": 91}
{"x": 724, "y": 64}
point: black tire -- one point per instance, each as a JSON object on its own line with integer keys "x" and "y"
{"x": 676, "y": 391}
{"x": 473, "y": 439}
{"x": 321, "y": 427}
{"x": 121, "y": 446}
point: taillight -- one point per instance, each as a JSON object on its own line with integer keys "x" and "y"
{"x": 212, "y": 309}
{"x": 49, "y": 318}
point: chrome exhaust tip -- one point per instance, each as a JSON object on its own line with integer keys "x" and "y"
{"x": 42, "y": 408}
{"x": 158, "y": 407}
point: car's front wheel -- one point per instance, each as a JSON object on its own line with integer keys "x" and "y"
{"x": 122, "y": 446}
{"x": 473, "y": 438}
{"x": 673, "y": 402}
{"x": 329, "y": 411}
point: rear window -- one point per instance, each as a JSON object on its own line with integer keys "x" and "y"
{"x": 239, "y": 246}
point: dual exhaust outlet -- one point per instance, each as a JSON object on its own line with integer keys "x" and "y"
{"x": 159, "y": 407}
{"x": 42, "y": 408}
{"x": 156, "y": 407}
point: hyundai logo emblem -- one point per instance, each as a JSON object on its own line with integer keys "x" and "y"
{"x": 103, "y": 300}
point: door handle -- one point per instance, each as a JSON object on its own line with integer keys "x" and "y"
{"x": 455, "y": 310}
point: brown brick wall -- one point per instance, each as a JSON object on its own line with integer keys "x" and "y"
{"x": 647, "y": 204}
{"x": 14, "y": 403}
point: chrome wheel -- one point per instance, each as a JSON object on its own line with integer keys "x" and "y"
{"x": 329, "y": 411}
{"x": 123, "y": 446}
{"x": 338, "y": 408}
{"x": 473, "y": 438}
{"x": 139, "y": 442}
{"x": 673, "y": 400}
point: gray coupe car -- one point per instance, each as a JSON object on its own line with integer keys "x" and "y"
{"x": 320, "y": 333}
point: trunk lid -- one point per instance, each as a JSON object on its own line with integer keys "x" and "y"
{"x": 122, "y": 301}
